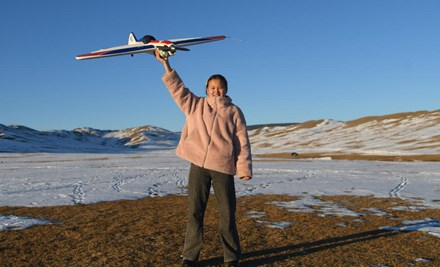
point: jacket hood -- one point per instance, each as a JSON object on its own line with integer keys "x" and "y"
{"x": 219, "y": 101}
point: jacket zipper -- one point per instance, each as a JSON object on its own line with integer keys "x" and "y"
{"x": 210, "y": 132}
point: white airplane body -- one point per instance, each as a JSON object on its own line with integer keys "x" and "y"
{"x": 148, "y": 44}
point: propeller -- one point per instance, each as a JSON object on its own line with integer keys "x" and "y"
{"x": 171, "y": 48}
{"x": 182, "y": 48}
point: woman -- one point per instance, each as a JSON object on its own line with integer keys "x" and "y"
{"x": 215, "y": 141}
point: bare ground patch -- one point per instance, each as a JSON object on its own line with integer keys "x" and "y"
{"x": 150, "y": 232}
{"x": 342, "y": 156}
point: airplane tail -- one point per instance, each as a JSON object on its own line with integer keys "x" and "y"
{"x": 132, "y": 39}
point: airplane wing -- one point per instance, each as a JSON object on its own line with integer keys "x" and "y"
{"x": 197, "y": 40}
{"x": 140, "y": 47}
{"x": 117, "y": 51}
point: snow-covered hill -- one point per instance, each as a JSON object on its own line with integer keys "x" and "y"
{"x": 402, "y": 134}
{"x": 16, "y": 138}
{"x": 396, "y": 134}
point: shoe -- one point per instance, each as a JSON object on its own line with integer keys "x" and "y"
{"x": 232, "y": 264}
{"x": 188, "y": 263}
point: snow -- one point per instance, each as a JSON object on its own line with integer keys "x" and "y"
{"x": 325, "y": 208}
{"x": 428, "y": 225}
{"x": 48, "y": 179}
{"x": 11, "y": 222}
{"x": 403, "y": 134}
{"x": 85, "y": 165}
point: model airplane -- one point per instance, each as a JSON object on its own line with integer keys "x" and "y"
{"x": 148, "y": 44}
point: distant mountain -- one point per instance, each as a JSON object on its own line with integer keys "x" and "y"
{"x": 257, "y": 126}
{"x": 395, "y": 134}
{"x": 17, "y": 138}
{"x": 399, "y": 134}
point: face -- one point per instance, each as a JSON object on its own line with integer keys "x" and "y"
{"x": 215, "y": 88}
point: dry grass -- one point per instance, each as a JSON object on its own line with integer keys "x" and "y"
{"x": 396, "y": 116}
{"x": 308, "y": 124}
{"x": 150, "y": 232}
{"x": 341, "y": 156}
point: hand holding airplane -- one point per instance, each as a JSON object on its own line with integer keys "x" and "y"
{"x": 148, "y": 44}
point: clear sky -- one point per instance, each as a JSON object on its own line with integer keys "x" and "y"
{"x": 285, "y": 61}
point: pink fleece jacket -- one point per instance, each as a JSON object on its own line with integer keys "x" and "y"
{"x": 214, "y": 136}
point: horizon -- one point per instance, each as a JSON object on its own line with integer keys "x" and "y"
{"x": 386, "y": 137}
{"x": 250, "y": 127}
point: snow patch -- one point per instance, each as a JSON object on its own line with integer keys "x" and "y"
{"x": 428, "y": 225}
{"x": 11, "y": 222}
{"x": 312, "y": 204}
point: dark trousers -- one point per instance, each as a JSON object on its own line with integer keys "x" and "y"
{"x": 199, "y": 185}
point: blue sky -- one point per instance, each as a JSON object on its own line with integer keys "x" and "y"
{"x": 285, "y": 61}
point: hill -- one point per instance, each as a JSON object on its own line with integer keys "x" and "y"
{"x": 16, "y": 138}
{"x": 410, "y": 133}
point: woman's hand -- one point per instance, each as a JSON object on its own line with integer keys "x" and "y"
{"x": 158, "y": 57}
{"x": 164, "y": 61}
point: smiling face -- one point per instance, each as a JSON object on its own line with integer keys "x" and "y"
{"x": 216, "y": 86}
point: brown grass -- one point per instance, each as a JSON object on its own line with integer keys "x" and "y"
{"x": 150, "y": 232}
{"x": 341, "y": 156}
{"x": 308, "y": 124}
{"x": 396, "y": 116}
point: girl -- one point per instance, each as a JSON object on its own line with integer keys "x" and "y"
{"x": 215, "y": 141}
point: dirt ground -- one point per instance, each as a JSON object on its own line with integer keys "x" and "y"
{"x": 342, "y": 156}
{"x": 150, "y": 232}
